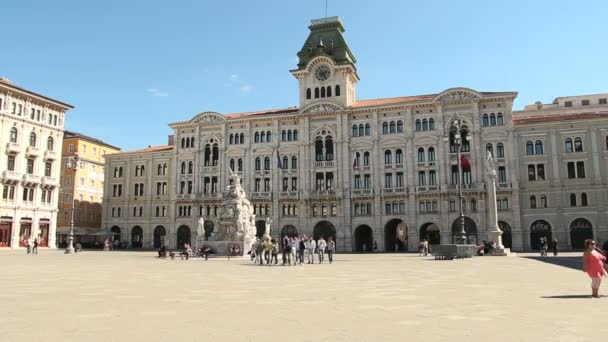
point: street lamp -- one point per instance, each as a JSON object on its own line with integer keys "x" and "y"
{"x": 460, "y": 135}
{"x": 72, "y": 164}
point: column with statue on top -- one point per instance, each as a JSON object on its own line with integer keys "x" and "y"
{"x": 494, "y": 232}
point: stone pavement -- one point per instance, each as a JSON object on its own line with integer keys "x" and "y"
{"x": 132, "y": 296}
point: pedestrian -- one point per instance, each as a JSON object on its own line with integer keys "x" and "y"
{"x": 259, "y": 252}
{"x": 275, "y": 251}
{"x": 554, "y": 246}
{"x": 267, "y": 250}
{"x": 28, "y": 246}
{"x": 542, "y": 244}
{"x": 593, "y": 264}
{"x": 286, "y": 249}
{"x": 301, "y": 249}
{"x": 293, "y": 244}
{"x": 310, "y": 249}
{"x": 35, "y": 249}
{"x": 331, "y": 248}
{"x": 321, "y": 245}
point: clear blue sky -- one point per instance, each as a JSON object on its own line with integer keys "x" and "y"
{"x": 130, "y": 69}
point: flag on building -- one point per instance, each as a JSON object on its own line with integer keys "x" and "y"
{"x": 464, "y": 163}
{"x": 355, "y": 162}
{"x": 279, "y": 164}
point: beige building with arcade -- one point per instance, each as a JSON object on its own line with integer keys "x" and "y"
{"x": 357, "y": 170}
{"x": 31, "y": 127}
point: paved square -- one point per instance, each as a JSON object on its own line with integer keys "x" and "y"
{"x": 132, "y": 296}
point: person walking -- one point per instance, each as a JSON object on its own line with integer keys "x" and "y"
{"x": 293, "y": 244}
{"x": 321, "y": 245}
{"x": 267, "y": 250}
{"x": 35, "y": 249}
{"x": 542, "y": 244}
{"x": 275, "y": 251}
{"x": 331, "y": 248}
{"x": 310, "y": 248}
{"x": 259, "y": 252}
{"x": 301, "y": 249}
{"x": 286, "y": 249}
{"x": 593, "y": 264}
{"x": 554, "y": 246}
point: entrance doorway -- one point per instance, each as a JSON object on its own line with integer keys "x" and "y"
{"x": 507, "y": 237}
{"x": 159, "y": 236}
{"x": 431, "y": 233}
{"x": 137, "y": 237}
{"x": 260, "y": 228}
{"x": 25, "y": 231}
{"x": 43, "y": 234}
{"x": 395, "y": 236}
{"x": 209, "y": 228}
{"x": 5, "y": 233}
{"x": 538, "y": 229}
{"x": 183, "y": 236}
{"x": 116, "y": 231}
{"x": 580, "y": 230}
{"x": 324, "y": 229}
{"x": 364, "y": 239}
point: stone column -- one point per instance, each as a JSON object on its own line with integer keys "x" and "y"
{"x": 494, "y": 233}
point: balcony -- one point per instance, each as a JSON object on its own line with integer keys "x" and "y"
{"x": 454, "y": 156}
{"x": 211, "y": 169}
{"x": 49, "y": 180}
{"x": 32, "y": 151}
{"x": 421, "y": 164}
{"x": 50, "y": 155}
{"x": 399, "y": 166}
{"x": 12, "y": 147}
{"x": 289, "y": 194}
{"x": 207, "y": 195}
{"x": 185, "y": 197}
{"x": 323, "y": 193}
{"x": 11, "y": 176}
{"x": 31, "y": 179}
{"x": 362, "y": 192}
{"x": 262, "y": 195}
{"x": 500, "y": 160}
{"x": 326, "y": 163}
{"x": 504, "y": 186}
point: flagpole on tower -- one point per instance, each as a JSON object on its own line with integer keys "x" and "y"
{"x": 326, "y": 8}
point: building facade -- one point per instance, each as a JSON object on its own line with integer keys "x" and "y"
{"x": 30, "y": 145}
{"x": 357, "y": 170}
{"x": 88, "y": 190}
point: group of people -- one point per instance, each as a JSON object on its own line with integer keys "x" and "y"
{"x": 294, "y": 250}
{"x": 32, "y": 246}
{"x": 544, "y": 245}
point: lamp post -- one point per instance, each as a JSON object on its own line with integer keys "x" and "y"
{"x": 459, "y": 131}
{"x": 72, "y": 164}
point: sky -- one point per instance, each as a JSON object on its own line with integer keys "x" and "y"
{"x": 131, "y": 67}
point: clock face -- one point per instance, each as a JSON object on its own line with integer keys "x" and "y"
{"x": 322, "y": 73}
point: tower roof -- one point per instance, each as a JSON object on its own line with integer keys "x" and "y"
{"x": 326, "y": 39}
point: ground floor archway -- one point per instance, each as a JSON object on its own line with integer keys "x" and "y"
{"x": 183, "y": 236}
{"x": 507, "y": 236}
{"x": 364, "y": 238}
{"x": 431, "y": 233}
{"x": 395, "y": 236}
{"x": 324, "y": 229}
{"x": 260, "y": 228}
{"x": 137, "y": 237}
{"x": 5, "y": 233}
{"x": 470, "y": 229}
{"x": 580, "y": 230}
{"x": 539, "y": 229}
{"x": 159, "y": 236}
{"x": 116, "y": 231}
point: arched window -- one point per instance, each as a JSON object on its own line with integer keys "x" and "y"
{"x": 183, "y": 142}
{"x": 569, "y": 147}
{"x": 258, "y": 164}
{"x": 159, "y": 170}
{"x": 367, "y": 129}
{"x": 538, "y": 147}
{"x": 267, "y": 163}
{"x": 328, "y": 91}
{"x": 13, "y": 135}
{"x": 366, "y": 159}
{"x": 284, "y": 135}
{"x": 490, "y": 148}
{"x": 285, "y": 163}
{"x": 136, "y": 171}
{"x": 329, "y": 148}
{"x": 431, "y": 125}
{"x": 385, "y": 128}
{"x": 418, "y": 125}
{"x": 232, "y": 165}
{"x": 499, "y": 119}
{"x": 316, "y": 93}
{"x": 584, "y": 201}
{"x": 33, "y": 139}
{"x": 355, "y": 131}
{"x": 322, "y": 91}
{"x": 425, "y": 125}
{"x": 388, "y": 157}
{"x": 308, "y": 94}
{"x": 578, "y": 144}
{"x": 533, "y": 202}
{"x": 399, "y": 126}
{"x": 398, "y": 156}
{"x": 543, "y": 201}
{"x": 289, "y": 135}
{"x": 393, "y": 128}
{"x": 120, "y": 171}
{"x": 295, "y": 135}
{"x": 231, "y": 139}
{"x": 183, "y": 168}
{"x": 607, "y": 142}
{"x": 421, "y": 155}
{"x": 50, "y": 144}
{"x": 337, "y": 90}
{"x": 529, "y": 148}
{"x": 269, "y": 136}
{"x": 492, "y": 119}
{"x": 242, "y": 139}
{"x": 573, "y": 200}
{"x": 484, "y": 120}
{"x": 256, "y": 137}
{"x": 207, "y": 155}
{"x": 262, "y": 136}
{"x": 318, "y": 149}
{"x": 240, "y": 164}
{"x": 361, "y": 130}
{"x": 215, "y": 153}
{"x": 431, "y": 154}
{"x": 500, "y": 150}
{"x": 294, "y": 162}
{"x": 192, "y": 142}
{"x": 164, "y": 169}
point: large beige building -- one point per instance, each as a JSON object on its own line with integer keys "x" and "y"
{"x": 357, "y": 170}
{"x": 30, "y": 145}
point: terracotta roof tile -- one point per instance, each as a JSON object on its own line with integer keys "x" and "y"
{"x": 557, "y": 117}
{"x": 149, "y": 149}
{"x": 391, "y": 100}
{"x": 262, "y": 112}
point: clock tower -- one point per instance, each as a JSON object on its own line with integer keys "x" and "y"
{"x": 326, "y": 70}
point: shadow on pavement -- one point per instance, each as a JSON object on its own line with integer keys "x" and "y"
{"x": 575, "y": 263}
{"x": 568, "y": 297}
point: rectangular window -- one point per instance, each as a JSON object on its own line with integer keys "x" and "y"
{"x": 388, "y": 180}
{"x": 452, "y": 205}
{"x": 11, "y": 163}
{"x": 94, "y": 151}
{"x": 421, "y": 178}
{"x": 30, "y": 166}
{"x": 502, "y": 174}
{"x": 84, "y": 148}
{"x": 266, "y": 184}
{"x": 294, "y": 184}
{"x": 367, "y": 182}
{"x": 540, "y": 172}
{"x": 48, "y": 169}
{"x": 580, "y": 169}
{"x": 399, "y": 180}
{"x": 33, "y": 114}
{"x": 602, "y": 101}
{"x": 571, "y": 170}
{"x": 568, "y": 104}
{"x": 531, "y": 173}
{"x": 71, "y": 148}
{"x": 357, "y": 182}
{"x": 585, "y": 102}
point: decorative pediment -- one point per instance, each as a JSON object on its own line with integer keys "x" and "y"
{"x": 208, "y": 117}
{"x": 457, "y": 95}
{"x": 322, "y": 108}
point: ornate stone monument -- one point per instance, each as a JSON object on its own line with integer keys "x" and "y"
{"x": 494, "y": 232}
